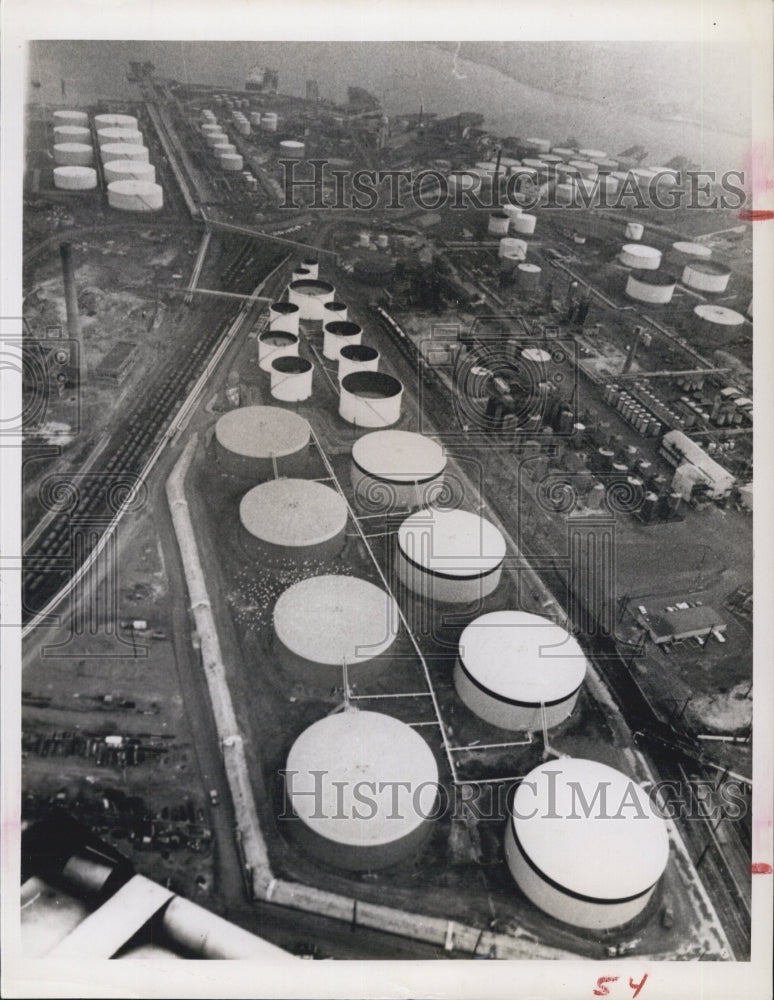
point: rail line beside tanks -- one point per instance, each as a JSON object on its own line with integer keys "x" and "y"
{"x": 145, "y": 429}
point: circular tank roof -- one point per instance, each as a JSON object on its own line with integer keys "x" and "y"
{"x": 653, "y": 277}
{"x": 371, "y": 385}
{"x": 640, "y": 249}
{"x": 353, "y": 747}
{"x": 293, "y": 512}
{"x": 358, "y": 352}
{"x": 327, "y": 619}
{"x": 522, "y": 657}
{"x": 343, "y": 328}
{"x": 708, "y": 267}
{"x": 536, "y": 355}
{"x": 311, "y": 286}
{"x": 528, "y": 268}
{"x": 619, "y": 850}
{"x": 719, "y": 314}
{"x": 451, "y": 542}
{"x": 692, "y": 249}
{"x": 284, "y": 308}
{"x": 400, "y": 456}
{"x": 262, "y": 431}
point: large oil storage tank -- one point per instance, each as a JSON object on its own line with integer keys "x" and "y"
{"x": 590, "y": 862}
{"x": 524, "y": 223}
{"x": 683, "y": 253}
{"x": 115, "y": 121}
{"x": 269, "y": 121}
{"x": 357, "y": 358}
{"x": 370, "y": 399}
{"x": 498, "y": 224}
{"x": 291, "y": 378}
{"x": 396, "y": 470}
{"x": 324, "y": 622}
{"x": 261, "y": 442}
{"x": 528, "y": 278}
{"x": 310, "y": 295}
{"x": 73, "y": 154}
{"x": 284, "y": 316}
{"x": 273, "y": 344}
{"x": 231, "y": 162}
{"x": 71, "y": 118}
{"x": 71, "y": 133}
{"x": 716, "y": 326}
{"x": 128, "y": 170}
{"x": 634, "y": 230}
{"x": 291, "y": 149}
{"x": 135, "y": 196}
{"x": 75, "y": 178}
{"x": 342, "y": 758}
{"x": 517, "y": 670}
{"x": 123, "y": 151}
{"x": 334, "y": 310}
{"x": 641, "y": 256}
{"x": 654, "y": 287}
{"x": 130, "y": 135}
{"x": 293, "y": 519}
{"x": 450, "y": 556}
{"x": 338, "y": 333}
{"x": 706, "y": 276}
{"x": 510, "y": 245}
{"x": 312, "y": 265}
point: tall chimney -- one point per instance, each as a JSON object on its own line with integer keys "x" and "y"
{"x": 632, "y": 349}
{"x": 71, "y": 294}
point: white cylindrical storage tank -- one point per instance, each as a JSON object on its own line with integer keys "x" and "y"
{"x": 654, "y": 287}
{"x": 450, "y": 556}
{"x": 510, "y": 259}
{"x": 536, "y": 356}
{"x": 255, "y": 118}
{"x": 512, "y": 210}
{"x": 524, "y": 223}
{"x": 275, "y": 344}
{"x": 564, "y": 152}
{"x": 222, "y": 148}
{"x": 292, "y": 519}
{"x": 123, "y": 151}
{"x": 634, "y": 230}
{"x": 269, "y": 121}
{"x": 284, "y": 316}
{"x": 310, "y": 295}
{"x": 498, "y": 224}
{"x": 324, "y": 621}
{"x": 715, "y": 326}
{"x": 352, "y": 751}
{"x": 135, "y": 196}
{"x": 75, "y": 178}
{"x": 586, "y": 168}
{"x": 73, "y": 154}
{"x": 528, "y": 277}
{"x": 312, "y": 265}
{"x": 257, "y": 442}
{"x": 71, "y": 118}
{"x": 210, "y": 126}
{"x": 370, "y": 399}
{"x": 115, "y": 121}
{"x": 383, "y": 241}
{"x": 683, "y": 253}
{"x": 640, "y": 256}
{"x": 584, "y": 843}
{"x": 300, "y": 273}
{"x": 128, "y": 170}
{"x": 337, "y": 333}
{"x": 131, "y": 135}
{"x": 536, "y": 146}
{"x": 592, "y": 154}
{"x": 243, "y": 127}
{"x": 231, "y": 162}
{"x": 334, "y": 310}
{"x": 513, "y": 666}
{"x": 357, "y": 358}
{"x": 71, "y": 133}
{"x": 513, "y": 246}
{"x": 215, "y": 138}
{"x": 291, "y": 378}
{"x": 396, "y": 470}
{"x": 291, "y": 149}
{"x": 706, "y": 276}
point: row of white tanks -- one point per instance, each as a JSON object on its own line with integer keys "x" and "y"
{"x": 648, "y": 282}
{"x": 129, "y": 176}
{"x": 514, "y": 670}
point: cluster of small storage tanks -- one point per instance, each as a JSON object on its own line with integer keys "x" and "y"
{"x": 513, "y": 670}
{"x": 129, "y": 176}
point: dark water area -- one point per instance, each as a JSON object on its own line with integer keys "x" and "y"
{"x": 588, "y": 94}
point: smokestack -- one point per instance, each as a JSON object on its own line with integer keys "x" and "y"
{"x": 71, "y": 294}
{"x": 632, "y": 349}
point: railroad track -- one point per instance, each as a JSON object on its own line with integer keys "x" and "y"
{"x": 54, "y": 558}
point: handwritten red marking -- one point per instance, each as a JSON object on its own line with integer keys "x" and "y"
{"x": 756, "y": 215}
{"x": 602, "y": 990}
{"x": 760, "y": 868}
{"x": 637, "y": 986}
